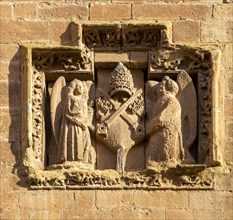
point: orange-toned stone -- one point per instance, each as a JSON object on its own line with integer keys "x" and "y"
{"x": 216, "y": 31}
{"x": 223, "y": 11}
{"x": 9, "y": 94}
{"x": 186, "y": 31}
{"x": 11, "y": 119}
{"x": 9, "y": 151}
{"x": 25, "y": 10}
{"x": 60, "y": 31}
{"x": 19, "y": 31}
{"x": 6, "y": 11}
{"x": 10, "y": 71}
{"x": 228, "y": 110}
{"x": 64, "y": 11}
{"x": 9, "y": 52}
{"x": 170, "y": 11}
{"x": 110, "y": 12}
{"x": 180, "y": 214}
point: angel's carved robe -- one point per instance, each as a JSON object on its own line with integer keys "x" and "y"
{"x": 164, "y": 130}
{"x": 75, "y": 142}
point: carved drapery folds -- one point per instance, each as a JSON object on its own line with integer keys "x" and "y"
{"x": 145, "y": 126}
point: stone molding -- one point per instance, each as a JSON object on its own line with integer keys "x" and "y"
{"x": 143, "y": 49}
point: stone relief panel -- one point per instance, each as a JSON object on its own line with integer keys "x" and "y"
{"x": 120, "y": 115}
{"x": 172, "y": 125}
{"x": 119, "y": 36}
{"x": 119, "y": 126}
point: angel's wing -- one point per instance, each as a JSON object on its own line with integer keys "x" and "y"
{"x": 151, "y": 97}
{"x": 188, "y": 101}
{"x": 57, "y": 103}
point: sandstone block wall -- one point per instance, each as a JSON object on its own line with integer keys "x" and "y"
{"x": 48, "y": 22}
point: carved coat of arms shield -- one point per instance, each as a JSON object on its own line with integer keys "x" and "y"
{"x": 120, "y": 111}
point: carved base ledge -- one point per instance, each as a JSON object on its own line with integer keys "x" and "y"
{"x": 179, "y": 177}
{"x": 99, "y": 105}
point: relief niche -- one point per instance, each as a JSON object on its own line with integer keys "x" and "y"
{"x": 115, "y": 123}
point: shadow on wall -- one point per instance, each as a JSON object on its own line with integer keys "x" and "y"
{"x": 15, "y": 108}
{"x": 14, "y": 102}
{"x": 66, "y": 36}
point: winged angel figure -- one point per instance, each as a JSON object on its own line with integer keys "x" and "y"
{"x": 71, "y": 119}
{"x": 172, "y": 125}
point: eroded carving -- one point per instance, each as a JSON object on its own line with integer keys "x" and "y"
{"x": 108, "y": 133}
{"x": 175, "y": 59}
{"x": 145, "y": 179}
{"x": 122, "y": 37}
{"x": 38, "y": 109}
{"x": 194, "y": 62}
{"x": 108, "y": 37}
{"x": 141, "y": 38}
{"x": 172, "y": 126}
{"x": 44, "y": 60}
{"x": 119, "y": 111}
{"x": 71, "y": 120}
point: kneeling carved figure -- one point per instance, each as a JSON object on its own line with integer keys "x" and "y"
{"x": 172, "y": 129}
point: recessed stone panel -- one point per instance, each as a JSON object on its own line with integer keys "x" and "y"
{"x": 122, "y": 110}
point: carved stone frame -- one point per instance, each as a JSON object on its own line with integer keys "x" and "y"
{"x": 183, "y": 177}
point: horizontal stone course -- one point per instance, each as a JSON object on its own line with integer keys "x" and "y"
{"x": 29, "y": 21}
{"x": 186, "y": 31}
{"x": 60, "y": 31}
{"x": 170, "y": 11}
{"x": 10, "y": 71}
{"x": 223, "y": 11}
{"x": 11, "y": 120}
{"x": 25, "y": 10}
{"x": 9, "y": 151}
{"x": 6, "y": 11}
{"x": 8, "y": 52}
{"x": 212, "y": 31}
{"x": 110, "y": 12}
{"x": 20, "y": 31}
{"x": 64, "y": 11}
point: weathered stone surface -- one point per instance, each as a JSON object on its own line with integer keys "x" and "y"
{"x": 110, "y": 12}
{"x": 19, "y": 31}
{"x": 10, "y": 71}
{"x": 9, "y": 151}
{"x": 10, "y": 118}
{"x": 211, "y": 31}
{"x": 10, "y": 94}
{"x": 27, "y": 10}
{"x": 186, "y": 31}
{"x": 20, "y": 24}
{"x": 6, "y": 11}
{"x": 60, "y": 31}
{"x": 223, "y": 11}
{"x": 8, "y": 52}
{"x": 64, "y": 11}
{"x": 169, "y": 11}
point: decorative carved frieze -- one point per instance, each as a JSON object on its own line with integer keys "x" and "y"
{"x": 62, "y": 60}
{"x": 120, "y": 126}
{"x": 108, "y": 37}
{"x": 123, "y": 36}
{"x": 109, "y": 179}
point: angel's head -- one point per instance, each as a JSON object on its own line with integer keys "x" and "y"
{"x": 79, "y": 88}
{"x": 76, "y": 87}
{"x": 168, "y": 86}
